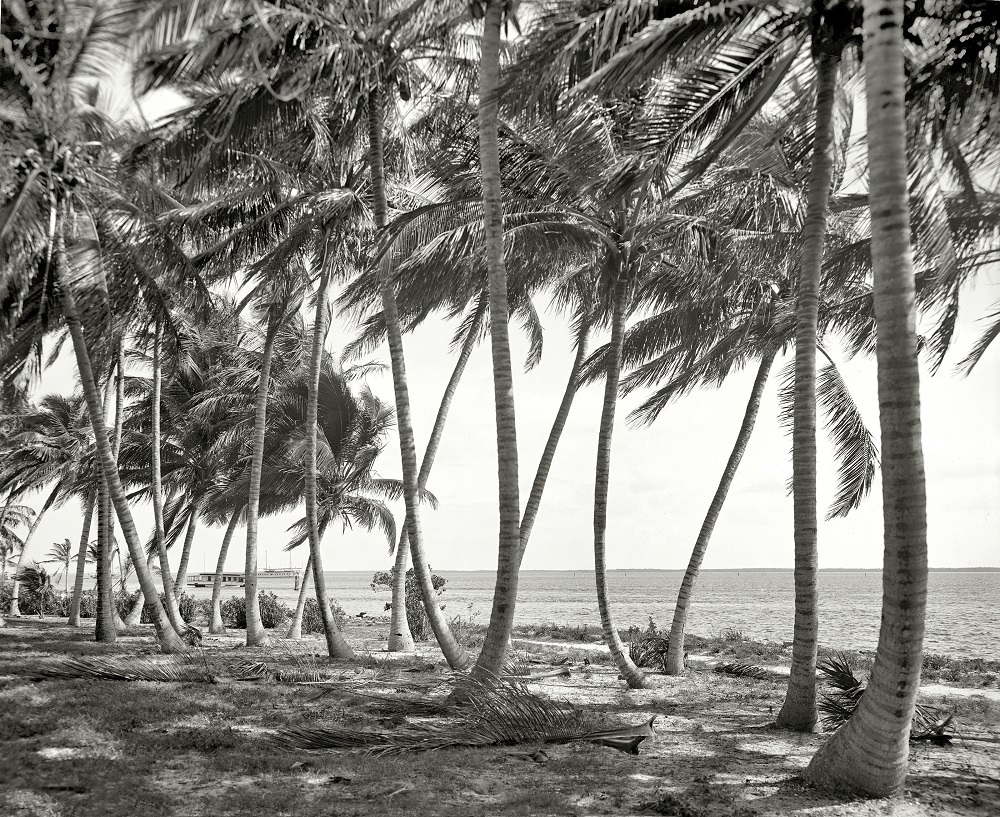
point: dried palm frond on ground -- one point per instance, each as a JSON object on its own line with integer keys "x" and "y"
{"x": 499, "y": 712}
{"x": 929, "y": 723}
{"x": 135, "y": 668}
{"x": 744, "y": 671}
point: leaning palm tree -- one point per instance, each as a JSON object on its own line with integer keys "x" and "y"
{"x": 55, "y": 236}
{"x": 62, "y": 553}
{"x": 869, "y": 754}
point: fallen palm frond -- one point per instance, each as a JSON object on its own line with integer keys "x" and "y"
{"x": 744, "y": 671}
{"x": 649, "y": 650}
{"x": 836, "y": 709}
{"x": 133, "y": 668}
{"x": 497, "y": 712}
{"x": 250, "y": 671}
{"x": 563, "y": 672}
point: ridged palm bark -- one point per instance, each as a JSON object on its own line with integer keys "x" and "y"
{"x": 799, "y": 708}
{"x": 169, "y": 640}
{"x": 215, "y": 626}
{"x": 295, "y": 628}
{"x": 400, "y": 638}
{"x": 552, "y": 443}
{"x": 182, "y": 567}
{"x": 634, "y": 677}
{"x": 336, "y": 645}
{"x": 255, "y": 628}
{"x": 674, "y": 664}
{"x": 159, "y": 535}
{"x": 116, "y": 447}
{"x": 81, "y": 559}
{"x": 491, "y": 658}
{"x": 454, "y": 654}
{"x": 104, "y": 624}
{"x": 869, "y": 754}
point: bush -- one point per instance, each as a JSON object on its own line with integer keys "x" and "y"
{"x": 273, "y": 612}
{"x": 416, "y": 615}
{"x": 28, "y": 601}
{"x": 311, "y": 621}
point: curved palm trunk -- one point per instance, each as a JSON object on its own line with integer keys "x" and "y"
{"x": 335, "y": 643}
{"x": 869, "y": 754}
{"x": 166, "y": 577}
{"x": 134, "y": 615}
{"x": 295, "y": 630}
{"x": 400, "y": 638}
{"x": 255, "y": 629}
{"x": 675, "y": 652}
{"x": 491, "y": 658}
{"x": 633, "y": 676}
{"x": 15, "y": 610}
{"x": 81, "y": 559}
{"x": 455, "y": 655}
{"x": 166, "y": 635}
{"x": 799, "y": 708}
{"x": 104, "y": 626}
{"x": 216, "y": 627}
{"x": 552, "y": 443}
{"x": 182, "y": 568}
{"x": 116, "y": 447}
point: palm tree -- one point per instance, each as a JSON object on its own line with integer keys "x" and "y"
{"x": 36, "y": 579}
{"x": 62, "y": 553}
{"x": 869, "y": 754}
{"x": 47, "y": 238}
{"x": 12, "y": 517}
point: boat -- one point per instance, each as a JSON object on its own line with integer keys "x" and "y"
{"x": 208, "y": 579}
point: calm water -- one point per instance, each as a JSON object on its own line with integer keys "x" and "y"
{"x": 963, "y": 609}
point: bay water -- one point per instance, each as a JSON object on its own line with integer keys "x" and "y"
{"x": 963, "y": 607}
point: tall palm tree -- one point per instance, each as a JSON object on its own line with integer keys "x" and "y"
{"x": 869, "y": 754}
{"x": 12, "y": 516}
{"x": 47, "y": 237}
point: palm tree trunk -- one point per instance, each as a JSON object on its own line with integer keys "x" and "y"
{"x": 295, "y": 630}
{"x": 675, "y": 651}
{"x": 454, "y": 654}
{"x": 22, "y": 559}
{"x": 216, "y": 627}
{"x": 134, "y": 615}
{"x": 81, "y": 559}
{"x": 798, "y": 711}
{"x": 104, "y": 625}
{"x": 166, "y": 577}
{"x": 552, "y": 443}
{"x": 168, "y": 638}
{"x": 400, "y": 638}
{"x": 116, "y": 445}
{"x": 182, "y": 568}
{"x": 868, "y": 756}
{"x": 633, "y": 676}
{"x": 255, "y": 629}
{"x": 336, "y": 645}
{"x": 491, "y": 658}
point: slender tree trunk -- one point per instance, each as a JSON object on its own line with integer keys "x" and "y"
{"x": 134, "y": 615}
{"x": 552, "y": 443}
{"x": 81, "y": 559}
{"x": 491, "y": 658}
{"x": 105, "y": 629}
{"x": 869, "y": 754}
{"x": 116, "y": 446}
{"x": 336, "y": 645}
{"x": 166, "y": 576}
{"x": 798, "y": 711}
{"x": 255, "y": 629}
{"x": 400, "y": 638}
{"x": 455, "y": 655}
{"x": 168, "y": 638}
{"x": 295, "y": 630}
{"x": 633, "y": 676}
{"x": 23, "y": 560}
{"x": 675, "y": 650}
{"x": 216, "y": 627}
{"x": 182, "y": 568}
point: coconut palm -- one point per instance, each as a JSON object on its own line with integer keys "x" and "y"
{"x": 36, "y": 579}
{"x": 54, "y": 236}
{"x": 869, "y": 754}
{"x": 12, "y": 516}
{"x": 62, "y": 553}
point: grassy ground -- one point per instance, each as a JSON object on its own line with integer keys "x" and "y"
{"x": 82, "y": 747}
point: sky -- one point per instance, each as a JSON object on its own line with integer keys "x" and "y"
{"x": 663, "y": 476}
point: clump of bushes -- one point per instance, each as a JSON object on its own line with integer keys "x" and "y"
{"x": 416, "y": 615}
{"x": 273, "y": 612}
{"x": 311, "y": 620}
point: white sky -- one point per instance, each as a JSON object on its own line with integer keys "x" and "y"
{"x": 662, "y": 477}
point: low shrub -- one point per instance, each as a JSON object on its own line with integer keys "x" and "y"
{"x": 273, "y": 611}
{"x": 416, "y": 615}
{"x": 311, "y": 620}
